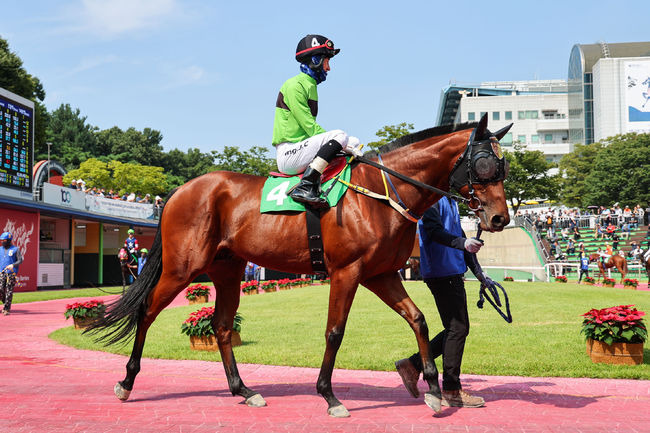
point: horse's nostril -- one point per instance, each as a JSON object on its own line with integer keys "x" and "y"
{"x": 498, "y": 221}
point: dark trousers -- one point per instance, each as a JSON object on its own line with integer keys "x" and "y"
{"x": 7, "y": 282}
{"x": 451, "y": 300}
{"x": 584, "y": 272}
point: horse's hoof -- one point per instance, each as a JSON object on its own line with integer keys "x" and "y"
{"x": 433, "y": 402}
{"x": 120, "y": 392}
{"x": 256, "y": 401}
{"x": 338, "y": 411}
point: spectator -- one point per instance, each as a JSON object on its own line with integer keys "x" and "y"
{"x": 615, "y": 241}
{"x": 581, "y": 248}
{"x": 571, "y": 247}
{"x": 565, "y": 233}
{"x": 81, "y": 185}
{"x": 131, "y": 197}
{"x": 249, "y": 273}
{"x": 73, "y": 184}
{"x": 635, "y": 251}
{"x": 611, "y": 229}
{"x": 584, "y": 266}
{"x": 110, "y": 194}
{"x": 598, "y": 232}
{"x": 608, "y": 249}
{"x": 10, "y": 260}
{"x": 158, "y": 207}
{"x": 142, "y": 259}
{"x": 101, "y": 193}
{"x": 146, "y": 199}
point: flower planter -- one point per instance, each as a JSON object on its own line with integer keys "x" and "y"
{"x": 82, "y": 322}
{"x": 587, "y": 283}
{"x": 629, "y": 287}
{"x": 251, "y": 292}
{"x": 209, "y": 343}
{"x": 616, "y": 353}
{"x": 609, "y": 285}
{"x": 199, "y": 300}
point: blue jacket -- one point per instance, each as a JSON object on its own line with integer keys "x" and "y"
{"x": 441, "y": 241}
{"x": 584, "y": 263}
{"x": 9, "y": 256}
{"x": 141, "y": 262}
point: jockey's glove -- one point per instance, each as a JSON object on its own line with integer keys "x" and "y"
{"x": 472, "y": 245}
{"x": 355, "y": 151}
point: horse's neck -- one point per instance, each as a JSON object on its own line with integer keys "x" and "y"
{"x": 429, "y": 161}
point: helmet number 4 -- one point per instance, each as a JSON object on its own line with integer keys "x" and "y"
{"x": 279, "y": 193}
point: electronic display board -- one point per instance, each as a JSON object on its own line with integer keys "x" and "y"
{"x": 17, "y": 139}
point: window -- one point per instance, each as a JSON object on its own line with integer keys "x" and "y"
{"x": 521, "y": 139}
{"x": 521, "y": 115}
{"x": 534, "y": 139}
{"x": 548, "y": 138}
{"x": 532, "y": 114}
{"x": 508, "y": 115}
{"x": 496, "y": 115}
{"x": 470, "y": 116}
{"x": 507, "y": 139}
{"x": 483, "y": 114}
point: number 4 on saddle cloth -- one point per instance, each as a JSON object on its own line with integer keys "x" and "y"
{"x": 276, "y": 187}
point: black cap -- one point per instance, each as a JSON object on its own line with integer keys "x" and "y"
{"x": 312, "y": 45}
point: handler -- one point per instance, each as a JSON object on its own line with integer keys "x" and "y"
{"x": 10, "y": 259}
{"x": 302, "y": 145}
{"x": 445, "y": 256}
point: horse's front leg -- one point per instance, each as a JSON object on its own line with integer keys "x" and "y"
{"x": 389, "y": 288}
{"x": 342, "y": 290}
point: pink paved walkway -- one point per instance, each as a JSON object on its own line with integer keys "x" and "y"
{"x": 47, "y": 387}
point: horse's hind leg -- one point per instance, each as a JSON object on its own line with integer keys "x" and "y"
{"x": 168, "y": 286}
{"x": 226, "y": 276}
{"x": 389, "y": 288}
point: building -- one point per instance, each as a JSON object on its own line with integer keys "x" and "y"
{"x": 608, "y": 90}
{"x": 538, "y": 110}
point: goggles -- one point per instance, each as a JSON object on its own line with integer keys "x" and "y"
{"x": 484, "y": 162}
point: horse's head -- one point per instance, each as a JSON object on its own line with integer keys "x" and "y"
{"x": 478, "y": 175}
{"x": 122, "y": 255}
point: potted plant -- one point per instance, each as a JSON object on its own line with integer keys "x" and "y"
{"x": 589, "y": 281}
{"x": 615, "y": 335}
{"x": 84, "y": 313}
{"x": 197, "y": 294}
{"x": 325, "y": 280}
{"x": 561, "y": 279}
{"x": 609, "y": 282}
{"x": 284, "y": 284}
{"x": 630, "y": 283}
{"x": 249, "y": 287}
{"x": 508, "y": 279}
{"x": 198, "y": 327}
{"x": 269, "y": 286}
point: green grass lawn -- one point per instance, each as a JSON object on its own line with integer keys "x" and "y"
{"x": 287, "y": 328}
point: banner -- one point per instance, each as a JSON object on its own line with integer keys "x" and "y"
{"x": 114, "y": 207}
{"x": 24, "y": 228}
{"x": 62, "y": 196}
{"x": 637, "y": 96}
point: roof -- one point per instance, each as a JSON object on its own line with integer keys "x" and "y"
{"x": 591, "y": 53}
{"x": 54, "y": 210}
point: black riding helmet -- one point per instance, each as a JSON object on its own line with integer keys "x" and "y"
{"x": 314, "y": 45}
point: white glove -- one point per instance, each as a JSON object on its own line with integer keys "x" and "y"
{"x": 472, "y": 245}
{"x": 356, "y": 151}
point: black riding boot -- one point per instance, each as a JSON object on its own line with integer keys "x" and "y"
{"x": 308, "y": 190}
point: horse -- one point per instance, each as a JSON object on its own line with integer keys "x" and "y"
{"x": 127, "y": 263}
{"x": 212, "y": 224}
{"x": 614, "y": 261}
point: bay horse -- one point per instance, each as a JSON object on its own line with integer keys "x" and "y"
{"x": 213, "y": 225}
{"x": 614, "y": 261}
{"x": 127, "y": 263}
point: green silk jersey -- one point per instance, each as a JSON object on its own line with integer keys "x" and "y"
{"x": 295, "y": 110}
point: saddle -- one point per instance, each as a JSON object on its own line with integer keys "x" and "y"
{"x": 333, "y": 168}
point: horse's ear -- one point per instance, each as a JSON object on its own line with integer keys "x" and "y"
{"x": 481, "y": 129}
{"x": 503, "y": 131}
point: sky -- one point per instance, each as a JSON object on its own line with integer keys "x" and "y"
{"x": 207, "y": 73}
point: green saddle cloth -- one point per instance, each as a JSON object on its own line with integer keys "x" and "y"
{"x": 275, "y": 198}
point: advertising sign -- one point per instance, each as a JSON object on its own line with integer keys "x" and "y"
{"x": 23, "y": 226}
{"x": 637, "y": 96}
{"x": 118, "y": 207}
{"x": 17, "y": 141}
{"x": 62, "y": 196}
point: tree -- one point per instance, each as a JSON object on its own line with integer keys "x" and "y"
{"x": 528, "y": 177}
{"x": 16, "y": 79}
{"x": 130, "y": 146}
{"x": 73, "y": 140}
{"x": 254, "y": 161}
{"x": 621, "y": 172}
{"x": 574, "y": 168}
{"x": 390, "y": 133}
{"x": 181, "y": 167}
{"x": 121, "y": 177}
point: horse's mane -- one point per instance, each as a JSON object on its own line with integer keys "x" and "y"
{"x": 421, "y": 135}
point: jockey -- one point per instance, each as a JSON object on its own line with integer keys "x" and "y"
{"x": 131, "y": 243}
{"x": 302, "y": 145}
{"x": 603, "y": 255}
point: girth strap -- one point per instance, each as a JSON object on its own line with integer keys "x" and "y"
{"x": 315, "y": 241}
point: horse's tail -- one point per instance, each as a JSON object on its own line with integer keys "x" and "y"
{"x": 123, "y": 315}
{"x": 624, "y": 265}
